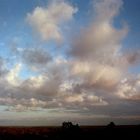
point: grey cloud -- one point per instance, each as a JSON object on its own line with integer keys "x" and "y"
{"x": 100, "y": 40}
{"x": 106, "y": 10}
{"x": 97, "y": 61}
{"x": 36, "y": 58}
{"x": 3, "y": 69}
{"x": 132, "y": 57}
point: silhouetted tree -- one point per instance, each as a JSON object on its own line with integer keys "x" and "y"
{"x": 67, "y": 125}
{"x": 111, "y": 125}
{"x": 70, "y": 130}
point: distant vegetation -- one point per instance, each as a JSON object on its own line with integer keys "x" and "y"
{"x": 70, "y": 131}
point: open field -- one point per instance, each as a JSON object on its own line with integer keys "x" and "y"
{"x": 84, "y": 132}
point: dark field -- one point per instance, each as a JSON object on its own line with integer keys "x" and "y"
{"x": 83, "y": 132}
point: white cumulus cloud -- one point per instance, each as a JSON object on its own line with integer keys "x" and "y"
{"x": 47, "y": 21}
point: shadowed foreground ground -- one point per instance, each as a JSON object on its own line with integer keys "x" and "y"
{"x": 82, "y": 132}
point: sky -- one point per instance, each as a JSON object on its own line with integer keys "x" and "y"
{"x": 69, "y": 60}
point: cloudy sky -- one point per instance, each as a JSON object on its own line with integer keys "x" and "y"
{"x": 69, "y": 60}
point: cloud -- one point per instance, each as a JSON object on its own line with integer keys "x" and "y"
{"x": 98, "y": 63}
{"x": 129, "y": 89}
{"x": 13, "y": 75}
{"x": 97, "y": 59}
{"x": 20, "y": 105}
{"x": 95, "y": 74}
{"x": 47, "y": 21}
{"x": 106, "y": 10}
{"x": 132, "y": 57}
{"x": 35, "y": 58}
{"x": 92, "y": 78}
{"x": 45, "y": 91}
{"x": 2, "y": 67}
{"x": 85, "y": 100}
{"x": 100, "y": 40}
